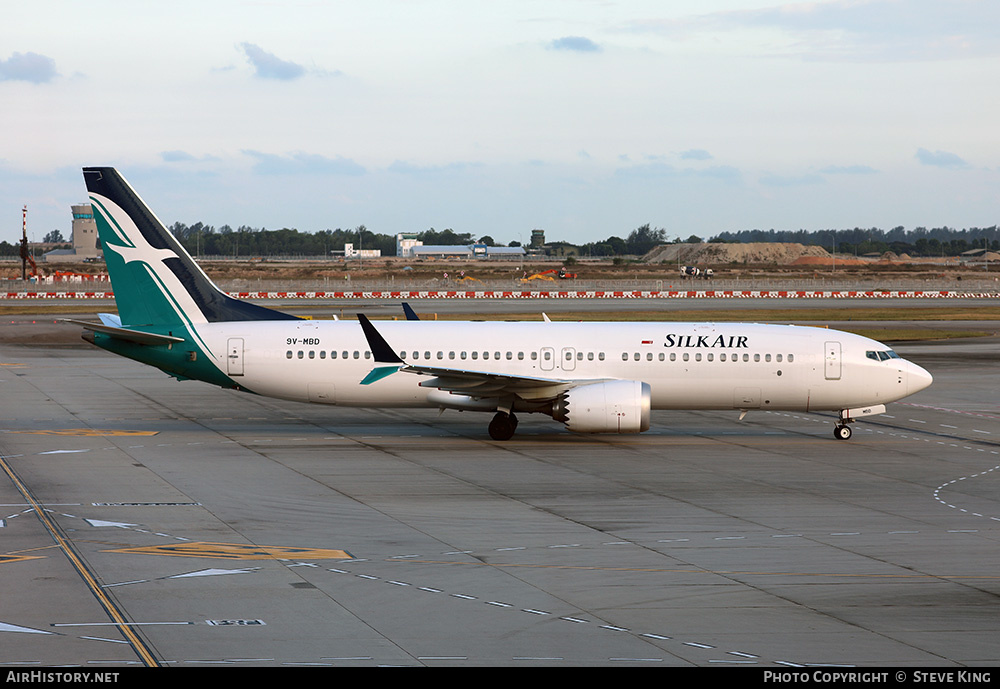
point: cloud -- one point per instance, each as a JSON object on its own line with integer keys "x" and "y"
{"x": 848, "y": 170}
{"x": 303, "y": 164}
{"x": 575, "y": 43}
{"x": 32, "y": 67}
{"x": 790, "y": 181}
{"x": 178, "y": 156}
{"x": 402, "y": 167}
{"x": 856, "y": 30}
{"x": 940, "y": 159}
{"x": 658, "y": 170}
{"x": 268, "y": 66}
{"x": 696, "y": 154}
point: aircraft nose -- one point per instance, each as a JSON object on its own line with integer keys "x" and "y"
{"x": 917, "y": 378}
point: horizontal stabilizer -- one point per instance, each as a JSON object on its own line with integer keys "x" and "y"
{"x": 127, "y": 334}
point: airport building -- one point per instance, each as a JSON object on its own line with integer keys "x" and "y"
{"x": 408, "y": 246}
{"x": 86, "y": 244}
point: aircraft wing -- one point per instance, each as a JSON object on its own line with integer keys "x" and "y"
{"x": 471, "y": 382}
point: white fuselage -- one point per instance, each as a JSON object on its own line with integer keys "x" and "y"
{"x": 686, "y": 365}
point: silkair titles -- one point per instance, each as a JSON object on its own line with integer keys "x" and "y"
{"x": 721, "y": 341}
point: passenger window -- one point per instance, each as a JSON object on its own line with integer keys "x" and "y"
{"x": 791, "y": 358}
{"x": 300, "y": 353}
{"x": 312, "y": 354}
{"x": 601, "y": 356}
{"x": 288, "y": 354}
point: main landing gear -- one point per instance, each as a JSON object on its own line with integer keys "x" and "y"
{"x": 503, "y": 425}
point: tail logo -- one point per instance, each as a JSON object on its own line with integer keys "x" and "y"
{"x": 131, "y": 246}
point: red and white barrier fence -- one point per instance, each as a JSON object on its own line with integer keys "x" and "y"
{"x": 569, "y": 294}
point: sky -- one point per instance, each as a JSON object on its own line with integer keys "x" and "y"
{"x": 583, "y": 118}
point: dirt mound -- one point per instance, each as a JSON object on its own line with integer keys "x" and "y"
{"x": 829, "y": 261}
{"x": 749, "y": 253}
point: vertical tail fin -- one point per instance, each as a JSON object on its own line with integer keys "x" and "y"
{"x": 155, "y": 281}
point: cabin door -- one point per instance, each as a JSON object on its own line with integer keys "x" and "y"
{"x": 235, "y": 357}
{"x": 832, "y": 360}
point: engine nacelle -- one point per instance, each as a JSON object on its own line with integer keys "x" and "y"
{"x": 616, "y": 406}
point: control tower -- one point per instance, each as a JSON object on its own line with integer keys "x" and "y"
{"x": 85, "y": 242}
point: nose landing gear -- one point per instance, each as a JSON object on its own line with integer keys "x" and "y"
{"x": 843, "y": 431}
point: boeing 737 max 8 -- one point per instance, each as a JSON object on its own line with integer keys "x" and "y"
{"x": 592, "y": 377}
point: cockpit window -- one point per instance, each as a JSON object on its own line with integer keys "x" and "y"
{"x": 882, "y": 356}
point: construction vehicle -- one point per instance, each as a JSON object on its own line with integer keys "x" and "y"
{"x": 561, "y": 273}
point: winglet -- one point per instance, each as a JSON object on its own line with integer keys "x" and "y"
{"x": 411, "y": 315}
{"x": 381, "y": 350}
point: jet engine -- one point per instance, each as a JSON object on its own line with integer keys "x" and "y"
{"x": 616, "y": 406}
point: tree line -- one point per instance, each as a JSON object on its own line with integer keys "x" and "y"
{"x": 205, "y": 240}
{"x": 920, "y": 241}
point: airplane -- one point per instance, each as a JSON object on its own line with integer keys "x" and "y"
{"x": 591, "y": 377}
